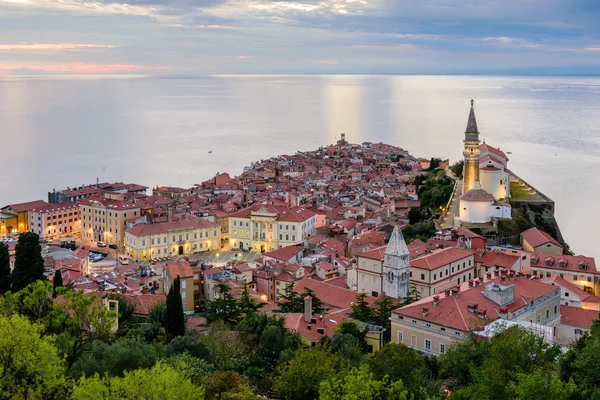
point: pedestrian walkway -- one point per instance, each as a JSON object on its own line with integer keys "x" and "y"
{"x": 453, "y": 210}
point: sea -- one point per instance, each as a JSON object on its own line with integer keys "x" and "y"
{"x": 58, "y": 132}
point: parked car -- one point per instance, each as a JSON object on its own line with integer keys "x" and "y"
{"x": 101, "y": 244}
{"x": 113, "y": 246}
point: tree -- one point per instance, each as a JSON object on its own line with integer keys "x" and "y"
{"x": 414, "y": 215}
{"x": 291, "y": 302}
{"x": 161, "y": 382}
{"x": 457, "y": 168}
{"x": 174, "y": 322}
{"x": 248, "y": 303}
{"x": 382, "y": 311}
{"x": 541, "y": 385}
{"x": 34, "y": 302}
{"x": 29, "y": 264}
{"x": 226, "y": 349}
{"x": 4, "y": 269}
{"x": 82, "y": 319}
{"x": 154, "y": 323}
{"x": 413, "y": 295}
{"x": 57, "y": 282}
{"x": 224, "y": 308}
{"x": 317, "y": 304}
{"x": 402, "y": 363}
{"x": 186, "y": 344}
{"x": 360, "y": 384}
{"x": 300, "y": 378}
{"x": 114, "y": 359}
{"x": 29, "y": 364}
{"x": 361, "y": 309}
{"x": 581, "y": 363}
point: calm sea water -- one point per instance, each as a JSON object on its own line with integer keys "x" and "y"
{"x": 58, "y": 132}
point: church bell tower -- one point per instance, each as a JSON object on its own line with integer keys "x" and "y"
{"x": 471, "y": 153}
{"x": 396, "y": 267}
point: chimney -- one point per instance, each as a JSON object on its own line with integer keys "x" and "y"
{"x": 470, "y": 282}
{"x": 488, "y": 275}
{"x": 455, "y": 292}
{"x": 503, "y": 311}
{"x": 496, "y": 273}
{"x": 447, "y": 293}
{"x": 436, "y": 300}
{"x": 480, "y": 279}
{"x": 308, "y": 309}
{"x": 425, "y": 311}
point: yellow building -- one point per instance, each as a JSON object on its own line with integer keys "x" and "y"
{"x": 184, "y": 236}
{"x": 15, "y": 217}
{"x": 103, "y": 216}
{"x": 186, "y": 277}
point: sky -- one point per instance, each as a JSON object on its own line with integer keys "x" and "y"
{"x": 200, "y": 37}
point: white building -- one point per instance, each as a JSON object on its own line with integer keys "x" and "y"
{"x": 53, "y": 221}
{"x": 270, "y": 225}
{"x": 479, "y": 206}
{"x": 184, "y": 236}
{"x": 494, "y": 176}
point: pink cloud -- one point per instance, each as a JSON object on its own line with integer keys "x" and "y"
{"x": 83, "y": 67}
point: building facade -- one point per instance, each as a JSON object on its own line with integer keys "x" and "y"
{"x": 268, "y": 226}
{"x": 53, "y": 221}
{"x": 184, "y": 236}
{"x": 103, "y": 216}
{"x": 433, "y": 324}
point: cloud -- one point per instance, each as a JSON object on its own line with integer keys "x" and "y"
{"x": 48, "y": 46}
{"x": 83, "y": 68}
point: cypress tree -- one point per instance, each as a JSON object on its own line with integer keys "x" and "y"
{"x": 174, "y": 318}
{"x": 57, "y": 282}
{"x": 29, "y": 264}
{"x": 4, "y": 269}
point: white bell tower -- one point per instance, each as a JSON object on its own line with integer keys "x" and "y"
{"x": 396, "y": 266}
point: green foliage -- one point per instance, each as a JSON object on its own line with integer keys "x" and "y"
{"x": 457, "y": 168}
{"x": 33, "y": 301}
{"x": 293, "y": 302}
{"x": 422, "y": 230}
{"x": 415, "y": 215}
{"x": 152, "y": 327}
{"x": 434, "y": 163}
{"x": 4, "y": 269}
{"x": 382, "y": 311}
{"x": 360, "y": 384}
{"x": 57, "y": 282}
{"x": 540, "y": 385}
{"x": 300, "y": 378}
{"x": 186, "y": 344}
{"x": 29, "y": 364}
{"x": 247, "y": 303}
{"x": 224, "y": 308}
{"x": 29, "y": 264}
{"x": 226, "y": 348}
{"x": 227, "y": 385}
{"x": 174, "y": 320}
{"x": 161, "y": 382}
{"x": 115, "y": 359}
{"x": 582, "y": 363}
{"x": 401, "y": 363}
{"x": 361, "y": 309}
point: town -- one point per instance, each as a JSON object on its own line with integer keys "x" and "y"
{"x": 315, "y": 235}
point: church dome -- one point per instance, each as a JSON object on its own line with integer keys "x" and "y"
{"x": 477, "y": 194}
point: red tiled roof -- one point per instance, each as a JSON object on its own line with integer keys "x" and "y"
{"x": 285, "y": 253}
{"x": 375, "y": 254}
{"x": 181, "y": 269}
{"x": 573, "y": 262}
{"x": 144, "y": 303}
{"x": 576, "y": 316}
{"x": 330, "y": 295}
{"x": 493, "y": 258}
{"x": 536, "y": 237}
{"x": 486, "y": 148}
{"x": 190, "y": 222}
{"x": 454, "y": 312}
{"x": 22, "y": 207}
{"x": 582, "y": 294}
{"x": 440, "y": 258}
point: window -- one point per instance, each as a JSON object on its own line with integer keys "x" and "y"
{"x": 422, "y": 277}
{"x": 442, "y": 348}
{"x": 183, "y": 297}
{"x": 428, "y": 325}
{"x": 183, "y": 284}
{"x": 434, "y": 277}
{"x": 574, "y": 277}
{"x": 427, "y": 344}
{"x": 413, "y": 340}
{"x": 578, "y": 331}
{"x": 555, "y": 309}
{"x": 287, "y": 237}
{"x": 400, "y": 337}
{"x": 234, "y": 223}
{"x": 547, "y": 314}
{"x": 539, "y": 318}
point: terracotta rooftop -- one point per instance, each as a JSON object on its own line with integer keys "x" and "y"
{"x": 536, "y": 237}
{"x": 576, "y": 316}
{"x": 440, "y": 258}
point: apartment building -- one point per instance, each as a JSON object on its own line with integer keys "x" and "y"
{"x": 15, "y": 217}
{"x": 434, "y": 323}
{"x": 103, "y": 216}
{"x": 52, "y": 221}
{"x": 438, "y": 271}
{"x": 186, "y": 276}
{"x": 184, "y": 236}
{"x": 270, "y": 225}
{"x": 579, "y": 270}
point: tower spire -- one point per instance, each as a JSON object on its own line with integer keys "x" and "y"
{"x": 472, "y": 122}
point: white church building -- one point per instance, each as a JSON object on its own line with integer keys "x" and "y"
{"x": 486, "y": 179}
{"x": 385, "y": 269}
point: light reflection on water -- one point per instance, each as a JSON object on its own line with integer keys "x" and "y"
{"x": 59, "y": 132}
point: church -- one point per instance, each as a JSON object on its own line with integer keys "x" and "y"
{"x": 486, "y": 178}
